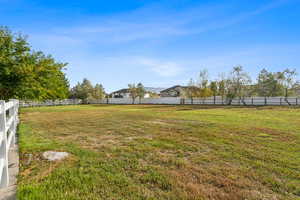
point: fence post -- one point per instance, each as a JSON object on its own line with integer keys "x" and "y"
{"x": 265, "y": 101}
{"x": 3, "y": 147}
{"x": 280, "y": 101}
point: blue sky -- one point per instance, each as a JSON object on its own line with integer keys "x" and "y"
{"x": 159, "y": 43}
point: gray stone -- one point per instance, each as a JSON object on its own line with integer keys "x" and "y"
{"x": 53, "y": 155}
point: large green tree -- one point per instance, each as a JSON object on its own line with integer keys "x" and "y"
{"x": 25, "y": 74}
{"x": 98, "y": 91}
{"x": 236, "y": 84}
{"x": 268, "y": 84}
{"x": 86, "y": 91}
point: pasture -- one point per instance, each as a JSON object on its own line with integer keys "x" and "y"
{"x": 160, "y": 152}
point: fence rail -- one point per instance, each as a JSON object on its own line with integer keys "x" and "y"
{"x": 50, "y": 103}
{"x": 8, "y": 126}
{"x": 247, "y": 101}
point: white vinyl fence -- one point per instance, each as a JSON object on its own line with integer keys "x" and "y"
{"x": 50, "y": 103}
{"x": 8, "y": 126}
{"x": 164, "y": 100}
{"x": 247, "y": 101}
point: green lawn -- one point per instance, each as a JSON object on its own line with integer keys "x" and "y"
{"x": 160, "y": 152}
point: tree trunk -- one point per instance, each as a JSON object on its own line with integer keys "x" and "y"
{"x": 286, "y": 96}
{"x": 243, "y": 100}
{"x": 229, "y": 101}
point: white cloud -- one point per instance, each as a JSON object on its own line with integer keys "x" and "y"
{"x": 162, "y": 68}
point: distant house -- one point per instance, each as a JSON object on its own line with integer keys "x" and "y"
{"x": 153, "y": 92}
{"x": 297, "y": 91}
{"x": 123, "y": 93}
{"x": 175, "y": 91}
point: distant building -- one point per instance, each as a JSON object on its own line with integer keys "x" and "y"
{"x": 150, "y": 92}
{"x": 175, "y": 91}
{"x": 154, "y": 90}
{"x": 297, "y": 91}
{"x": 123, "y": 93}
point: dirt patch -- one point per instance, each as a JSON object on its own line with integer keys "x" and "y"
{"x": 159, "y": 122}
{"x": 276, "y": 134}
{"x": 172, "y": 122}
{"x": 199, "y": 182}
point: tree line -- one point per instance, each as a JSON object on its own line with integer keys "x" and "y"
{"x": 238, "y": 84}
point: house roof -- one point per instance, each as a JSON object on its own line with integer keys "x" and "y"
{"x": 156, "y": 90}
{"x": 147, "y": 89}
{"x": 125, "y": 90}
{"x": 175, "y": 86}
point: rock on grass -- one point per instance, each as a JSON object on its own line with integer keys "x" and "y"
{"x": 54, "y": 156}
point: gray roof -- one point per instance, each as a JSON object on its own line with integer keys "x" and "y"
{"x": 154, "y": 89}
{"x": 147, "y": 89}
{"x": 125, "y": 90}
{"x": 175, "y": 86}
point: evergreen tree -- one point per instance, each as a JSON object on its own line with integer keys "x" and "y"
{"x": 99, "y": 92}
{"x": 268, "y": 84}
{"x": 86, "y": 91}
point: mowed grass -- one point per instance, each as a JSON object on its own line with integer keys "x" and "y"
{"x": 160, "y": 152}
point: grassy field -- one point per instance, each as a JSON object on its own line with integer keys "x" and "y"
{"x": 160, "y": 152}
